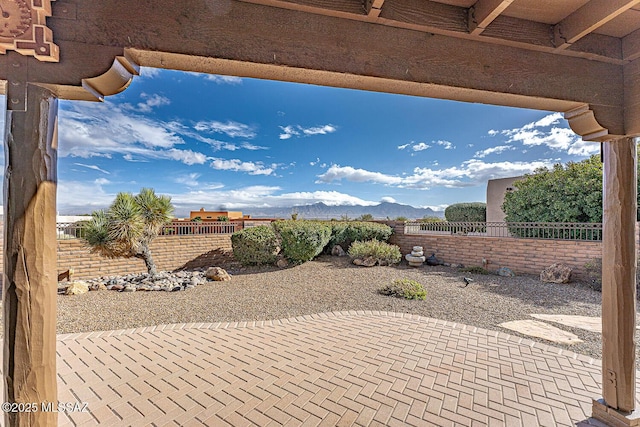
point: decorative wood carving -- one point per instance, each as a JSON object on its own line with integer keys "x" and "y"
{"x": 23, "y": 29}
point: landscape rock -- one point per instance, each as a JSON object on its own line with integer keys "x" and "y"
{"x": 505, "y": 272}
{"x": 217, "y": 274}
{"x": 556, "y": 273}
{"x": 357, "y": 261}
{"x": 97, "y": 287}
{"x": 163, "y": 281}
{"x": 77, "y": 288}
{"x": 338, "y": 251}
{"x": 432, "y": 260}
{"x": 282, "y": 263}
{"x": 369, "y": 261}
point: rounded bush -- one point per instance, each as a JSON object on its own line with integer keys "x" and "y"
{"x": 383, "y": 252}
{"x": 345, "y": 233}
{"x": 466, "y": 212}
{"x": 302, "y": 240}
{"x": 256, "y": 245}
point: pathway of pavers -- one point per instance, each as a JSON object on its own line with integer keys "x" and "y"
{"x": 349, "y": 368}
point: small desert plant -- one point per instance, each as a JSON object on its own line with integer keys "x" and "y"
{"x": 223, "y": 218}
{"x": 405, "y": 288}
{"x": 302, "y": 240}
{"x": 256, "y": 245}
{"x": 476, "y": 269}
{"x": 381, "y": 251}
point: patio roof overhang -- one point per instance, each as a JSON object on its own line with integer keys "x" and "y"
{"x": 579, "y": 57}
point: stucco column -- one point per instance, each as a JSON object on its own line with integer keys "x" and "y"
{"x": 619, "y": 279}
{"x": 29, "y": 281}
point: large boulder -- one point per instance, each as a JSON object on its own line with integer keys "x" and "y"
{"x": 217, "y": 274}
{"x": 556, "y": 273}
{"x": 77, "y": 288}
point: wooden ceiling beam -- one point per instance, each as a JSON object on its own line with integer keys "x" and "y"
{"x": 484, "y": 12}
{"x": 588, "y": 18}
{"x": 373, "y": 8}
{"x": 631, "y": 46}
{"x": 438, "y": 18}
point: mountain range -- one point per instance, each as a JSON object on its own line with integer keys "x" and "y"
{"x": 320, "y": 210}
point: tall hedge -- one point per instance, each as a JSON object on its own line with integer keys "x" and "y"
{"x": 466, "y": 212}
{"x": 302, "y": 240}
{"x": 256, "y": 245}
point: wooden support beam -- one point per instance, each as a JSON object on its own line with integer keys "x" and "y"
{"x": 618, "y": 283}
{"x": 484, "y": 12}
{"x": 588, "y": 18}
{"x": 29, "y": 288}
{"x": 373, "y": 8}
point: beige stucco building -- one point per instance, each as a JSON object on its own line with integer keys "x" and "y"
{"x": 496, "y": 190}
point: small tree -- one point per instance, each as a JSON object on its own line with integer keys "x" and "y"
{"x": 128, "y": 227}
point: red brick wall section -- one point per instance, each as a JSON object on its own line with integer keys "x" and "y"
{"x": 521, "y": 255}
{"x": 169, "y": 253}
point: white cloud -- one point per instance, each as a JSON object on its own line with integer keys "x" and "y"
{"x": 493, "y": 150}
{"x": 446, "y": 144}
{"x": 229, "y": 128}
{"x": 94, "y": 167}
{"x": 227, "y": 80}
{"x": 388, "y": 199}
{"x": 190, "y": 180}
{"x": 315, "y": 162}
{"x": 298, "y": 131}
{"x": 263, "y": 196}
{"x": 151, "y": 101}
{"x": 146, "y": 72}
{"x": 403, "y": 146}
{"x": 105, "y": 129}
{"x": 237, "y": 165}
{"x": 252, "y": 147}
{"x": 318, "y": 130}
{"x": 492, "y": 132}
{"x": 76, "y": 197}
{"x": 288, "y": 132}
{"x": 420, "y": 147}
{"x": 470, "y": 173}
{"x": 546, "y": 132}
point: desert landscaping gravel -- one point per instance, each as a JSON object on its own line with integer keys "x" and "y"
{"x": 334, "y": 284}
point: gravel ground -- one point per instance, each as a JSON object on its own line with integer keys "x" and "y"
{"x": 333, "y": 284}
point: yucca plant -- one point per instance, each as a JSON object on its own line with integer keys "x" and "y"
{"x": 128, "y": 227}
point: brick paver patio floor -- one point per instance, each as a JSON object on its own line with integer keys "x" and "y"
{"x": 349, "y": 368}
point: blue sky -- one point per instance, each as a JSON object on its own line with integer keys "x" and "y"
{"x": 214, "y": 142}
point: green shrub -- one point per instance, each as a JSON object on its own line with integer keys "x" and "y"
{"x": 345, "y": 233}
{"x": 256, "y": 245}
{"x": 405, "y": 288}
{"x": 466, "y": 212}
{"x": 381, "y": 251}
{"x": 302, "y": 240}
{"x": 223, "y": 218}
{"x": 475, "y": 270}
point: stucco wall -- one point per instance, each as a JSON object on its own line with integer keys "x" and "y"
{"x": 496, "y": 190}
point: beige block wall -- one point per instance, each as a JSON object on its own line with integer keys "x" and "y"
{"x": 169, "y": 253}
{"x": 529, "y": 256}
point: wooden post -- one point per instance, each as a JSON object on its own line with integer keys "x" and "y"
{"x": 29, "y": 281}
{"x": 619, "y": 282}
